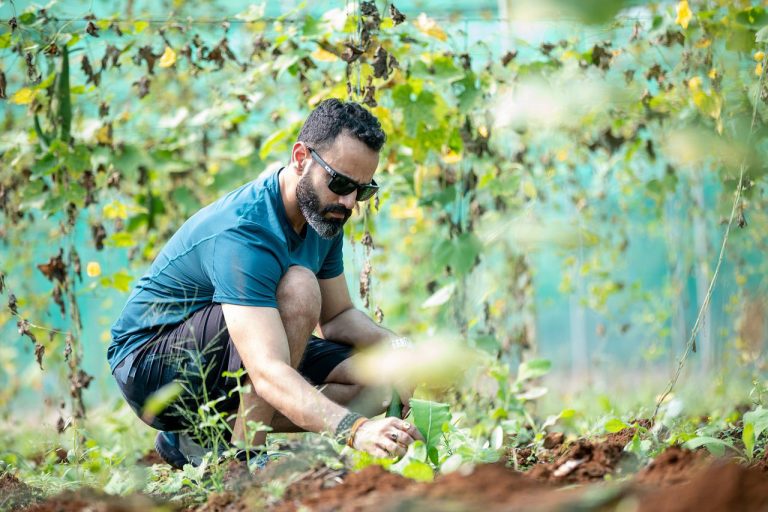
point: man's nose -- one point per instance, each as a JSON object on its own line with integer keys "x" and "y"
{"x": 349, "y": 200}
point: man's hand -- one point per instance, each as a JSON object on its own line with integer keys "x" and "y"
{"x": 386, "y": 437}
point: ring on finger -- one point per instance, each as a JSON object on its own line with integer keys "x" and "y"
{"x": 393, "y": 436}
{"x": 406, "y": 425}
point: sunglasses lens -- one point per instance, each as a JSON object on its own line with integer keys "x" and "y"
{"x": 341, "y": 185}
{"x": 366, "y": 192}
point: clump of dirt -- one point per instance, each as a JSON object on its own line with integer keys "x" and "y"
{"x": 624, "y": 436}
{"x": 15, "y": 494}
{"x": 95, "y": 501}
{"x": 150, "y": 458}
{"x": 716, "y": 488}
{"x": 360, "y": 491}
{"x": 583, "y": 461}
{"x": 676, "y": 465}
{"x": 553, "y": 440}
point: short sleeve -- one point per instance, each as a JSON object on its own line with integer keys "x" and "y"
{"x": 333, "y": 264}
{"x": 245, "y": 269}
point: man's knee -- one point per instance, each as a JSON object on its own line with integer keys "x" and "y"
{"x": 298, "y": 296}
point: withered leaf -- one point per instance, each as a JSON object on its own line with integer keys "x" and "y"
{"x": 396, "y": 15}
{"x": 80, "y": 380}
{"x": 33, "y": 75}
{"x": 114, "y": 26}
{"x": 365, "y": 282}
{"x": 93, "y": 78}
{"x": 367, "y": 240}
{"x": 12, "y": 304}
{"x": 74, "y": 260}
{"x": 111, "y": 57}
{"x": 92, "y": 29}
{"x": 378, "y": 315}
{"x": 3, "y": 85}
{"x": 370, "y": 94}
{"x": 380, "y": 67}
{"x": 23, "y": 326}
{"x": 2, "y": 282}
{"x": 103, "y": 109}
{"x": 742, "y": 220}
{"x": 59, "y": 300}
{"x": 508, "y": 57}
{"x": 351, "y": 53}
{"x": 55, "y": 270}
{"x": 68, "y": 340}
{"x": 39, "y": 353}
{"x": 146, "y": 54}
{"x": 142, "y": 84}
{"x": 98, "y": 233}
{"x": 601, "y": 57}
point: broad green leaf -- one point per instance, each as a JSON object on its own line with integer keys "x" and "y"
{"x": 615, "y": 425}
{"x": 748, "y": 437}
{"x": 419, "y": 471}
{"x": 533, "y": 369}
{"x": 715, "y": 446}
{"x": 429, "y": 418}
{"x": 755, "y": 423}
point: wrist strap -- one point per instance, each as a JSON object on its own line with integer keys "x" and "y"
{"x": 356, "y": 425}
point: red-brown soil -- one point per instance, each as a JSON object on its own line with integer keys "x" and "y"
{"x": 15, "y": 494}
{"x": 677, "y": 480}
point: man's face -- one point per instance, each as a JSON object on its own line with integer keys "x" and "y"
{"x": 324, "y": 210}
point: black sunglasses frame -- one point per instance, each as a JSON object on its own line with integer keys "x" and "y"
{"x": 343, "y": 185}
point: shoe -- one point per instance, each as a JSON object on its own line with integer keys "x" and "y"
{"x": 178, "y": 449}
{"x": 167, "y": 446}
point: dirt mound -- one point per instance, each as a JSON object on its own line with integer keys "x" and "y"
{"x": 583, "y": 461}
{"x": 15, "y": 494}
{"x": 719, "y": 487}
{"x": 676, "y": 465}
{"x": 94, "y": 501}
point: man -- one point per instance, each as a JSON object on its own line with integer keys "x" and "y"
{"x": 244, "y": 283}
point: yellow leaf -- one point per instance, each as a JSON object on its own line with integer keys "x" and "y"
{"x": 759, "y": 69}
{"x": 452, "y": 157}
{"x": 529, "y": 189}
{"x": 712, "y": 73}
{"x": 23, "y": 96}
{"x": 428, "y": 26}
{"x": 115, "y": 210}
{"x": 321, "y": 55}
{"x": 169, "y": 58}
{"x": 103, "y": 135}
{"x": 684, "y": 14}
{"x": 93, "y": 269}
{"x": 139, "y": 26}
{"x": 759, "y": 56}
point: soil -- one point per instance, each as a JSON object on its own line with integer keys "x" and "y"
{"x": 15, "y": 494}
{"x": 676, "y": 480}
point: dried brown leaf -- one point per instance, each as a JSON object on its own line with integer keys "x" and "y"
{"x": 397, "y": 16}
{"x": 12, "y": 304}
{"x": 55, "y": 270}
{"x": 39, "y": 353}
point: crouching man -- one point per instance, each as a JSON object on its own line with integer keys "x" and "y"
{"x": 244, "y": 283}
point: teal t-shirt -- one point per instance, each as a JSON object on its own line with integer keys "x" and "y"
{"x": 234, "y": 251}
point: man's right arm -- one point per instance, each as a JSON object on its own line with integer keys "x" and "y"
{"x": 260, "y": 339}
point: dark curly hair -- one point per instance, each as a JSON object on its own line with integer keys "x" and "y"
{"x": 333, "y": 116}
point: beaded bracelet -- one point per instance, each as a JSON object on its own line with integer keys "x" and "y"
{"x": 344, "y": 427}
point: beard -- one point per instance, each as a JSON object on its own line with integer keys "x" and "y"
{"x": 314, "y": 212}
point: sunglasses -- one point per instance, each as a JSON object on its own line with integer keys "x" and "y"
{"x": 342, "y": 185}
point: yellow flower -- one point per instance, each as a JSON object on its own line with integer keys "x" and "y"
{"x": 93, "y": 269}
{"x": 23, "y": 96}
{"x": 759, "y": 69}
{"x": 684, "y": 14}
{"x": 759, "y": 56}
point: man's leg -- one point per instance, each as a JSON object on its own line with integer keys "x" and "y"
{"x": 298, "y": 300}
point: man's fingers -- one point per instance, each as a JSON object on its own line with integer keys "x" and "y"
{"x": 391, "y": 447}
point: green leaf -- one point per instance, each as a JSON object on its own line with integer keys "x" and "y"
{"x": 27, "y": 18}
{"x": 419, "y": 471}
{"x": 275, "y": 141}
{"x": 5, "y": 40}
{"x": 533, "y": 369}
{"x": 160, "y": 400}
{"x": 715, "y": 446}
{"x": 615, "y": 425}
{"x": 429, "y": 418}
{"x": 748, "y": 436}
{"x": 762, "y": 35}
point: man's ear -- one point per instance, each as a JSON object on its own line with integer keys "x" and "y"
{"x": 300, "y": 157}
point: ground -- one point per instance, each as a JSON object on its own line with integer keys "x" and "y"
{"x": 580, "y": 474}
